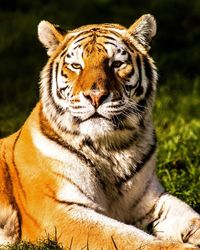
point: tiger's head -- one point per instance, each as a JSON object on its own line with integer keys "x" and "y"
{"x": 99, "y": 78}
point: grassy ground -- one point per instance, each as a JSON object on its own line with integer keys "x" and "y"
{"x": 41, "y": 245}
{"x": 177, "y": 121}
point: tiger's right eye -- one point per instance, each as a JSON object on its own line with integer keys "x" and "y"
{"x": 117, "y": 64}
{"x": 76, "y": 66}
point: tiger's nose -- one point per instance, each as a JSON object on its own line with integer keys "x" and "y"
{"x": 96, "y": 97}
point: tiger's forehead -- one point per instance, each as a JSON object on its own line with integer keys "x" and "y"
{"x": 96, "y": 39}
{"x": 95, "y": 36}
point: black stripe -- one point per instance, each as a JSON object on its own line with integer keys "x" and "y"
{"x": 87, "y": 141}
{"x": 110, "y": 44}
{"x": 61, "y": 31}
{"x": 82, "y": 38}
{"x": 148, "y": 69}
{"x": 107, "y": 37}
{"x": 58, "y": 108}
{"x": 9, "y": 186}
{"x": 112, "y": 26}
{"x": 139, "y": 165}
{"x": 129, "y": 46}
{"x": 73, "y": 183}
{"x": 124, "y": 179}
{"x": 130, "y": 74}
{"x": 56, "y": 77}
{"x": 139, "y": 90}
{"x": 141, "y": 105}
{"x": 106, "y": 32}
{"x": 148, "y": 183}
{"x": 116, "y": 34}
{"x": 19, "y": 182}
{"x": 58, "y": 90}
{"x": 77, "y": 46}
{"x": 149, "y": 74}
{"x": 65, "y": 48}
{"x": 64, "y": 74}
{"x": 68, "y": 203}
{"x": 102, "y": 47}
{"x": 63, "y": 52}
{"x": 144, "y": 216}
{"x": 43, "y": 119}
{"x": 146, "y": 157}
{"x": 116, "y": 248}
{"x": 15, "y": 166}
{"x": 149, "y": 212}
{"x": 129, "y": 88}
{"x": 79, "y": 155}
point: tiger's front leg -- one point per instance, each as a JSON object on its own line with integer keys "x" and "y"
{"x": 165, "y": 216}
{"x": 80, "y": 227}
{"x": 9, "y": 217}
{"x": 175, "y": 220}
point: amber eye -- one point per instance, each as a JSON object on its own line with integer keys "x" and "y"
{"x": 117, "y": 64}
{"x": 76, "y": 66}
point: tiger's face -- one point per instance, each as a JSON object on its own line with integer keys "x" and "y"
{"x": 99, "y": 78}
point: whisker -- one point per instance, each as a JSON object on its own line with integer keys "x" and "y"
{"x": 135, "y": 104}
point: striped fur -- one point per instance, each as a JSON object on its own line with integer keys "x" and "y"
{"x": 84, "y": 161}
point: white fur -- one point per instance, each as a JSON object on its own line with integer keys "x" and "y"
{"x": 9, "y": 225}
{"x": 177, "y": 219}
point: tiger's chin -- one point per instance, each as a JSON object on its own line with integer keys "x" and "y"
{"x": 96, "y": 127}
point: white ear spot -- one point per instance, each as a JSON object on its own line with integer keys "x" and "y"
{"x": 49, "y": 36}
{"x": 144, "y": 29}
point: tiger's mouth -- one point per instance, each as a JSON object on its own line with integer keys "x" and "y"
{"x": 96, "y": 116}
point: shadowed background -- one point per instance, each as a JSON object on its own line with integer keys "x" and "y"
{"x": 175, "y": 49}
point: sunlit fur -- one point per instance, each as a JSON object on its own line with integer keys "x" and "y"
{"x": 83, "y": 164}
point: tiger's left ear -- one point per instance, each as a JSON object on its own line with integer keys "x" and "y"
{"x": 144, "y": 29}
{"x": 50, "y": 36}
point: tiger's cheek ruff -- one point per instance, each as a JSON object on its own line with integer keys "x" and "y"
{"x": 137, "y": 87}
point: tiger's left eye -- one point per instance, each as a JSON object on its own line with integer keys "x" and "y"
{"x": 76, "y": 66}
{"x": 117, "y": 64}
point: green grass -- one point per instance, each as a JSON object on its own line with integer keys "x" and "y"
{"x": 40, "y": 245}
{"x": 177, "y": 121}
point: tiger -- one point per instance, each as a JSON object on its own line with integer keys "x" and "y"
{"x": 83, "y": 165}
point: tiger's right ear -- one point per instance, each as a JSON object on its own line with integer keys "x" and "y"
{"x": 143, "y": 30}
{"x": 50, "y": 36}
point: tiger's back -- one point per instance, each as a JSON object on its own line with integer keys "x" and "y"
{"x": 84, "y": 161}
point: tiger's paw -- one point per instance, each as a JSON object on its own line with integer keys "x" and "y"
{"x": 9, "y": 226}
{"x": 192, "y": 234}
{"x": 187, "y": 232}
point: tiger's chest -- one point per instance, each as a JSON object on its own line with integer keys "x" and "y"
{"x": 104, "y": 181}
